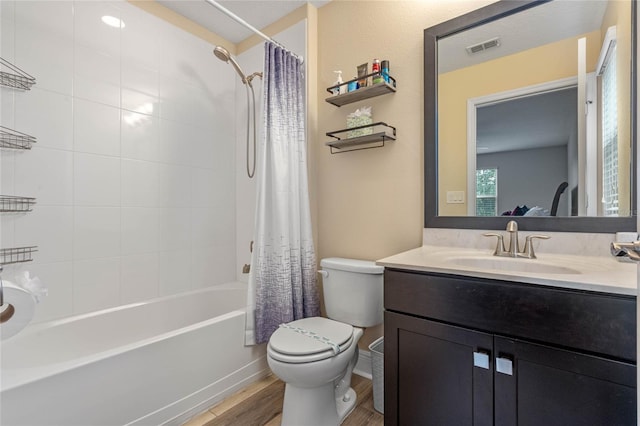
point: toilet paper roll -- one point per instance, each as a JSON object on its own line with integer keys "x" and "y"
{"x": 17, "y": 311}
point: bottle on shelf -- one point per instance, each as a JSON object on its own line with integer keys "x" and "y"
{"x": 341, "y": 88}
{"x": 385, "y": 70}
{"x": 375, "y": 68}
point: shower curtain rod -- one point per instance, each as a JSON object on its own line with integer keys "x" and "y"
{"x": 241, "y": 21}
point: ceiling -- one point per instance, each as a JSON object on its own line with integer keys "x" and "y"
{"x": 538, "y": 121}
{"x": 258, "y": 13}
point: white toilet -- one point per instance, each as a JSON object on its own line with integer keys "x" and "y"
{"x": 315, "y": 356}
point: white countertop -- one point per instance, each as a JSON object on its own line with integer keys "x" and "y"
{"x": 593, "y": 273}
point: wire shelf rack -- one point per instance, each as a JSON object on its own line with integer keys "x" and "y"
{"x": 17, "y": 255}
{"x": 14, "y": 77}
{"x": 375, "y": 133}
{"x": 12, "y": 204}
{"x": 10, "y": 138}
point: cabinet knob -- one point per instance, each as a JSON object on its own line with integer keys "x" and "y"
{"x": 481, "y": 359}
{"x": 504, "y": 366}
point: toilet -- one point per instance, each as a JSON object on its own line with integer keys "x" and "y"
{"x": 316, "y": 356}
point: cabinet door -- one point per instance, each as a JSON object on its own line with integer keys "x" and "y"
{"x": 549, "y": 386}
{"x": 430, "y": 376}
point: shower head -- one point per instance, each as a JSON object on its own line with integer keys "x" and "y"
{"x": 224, "y": 55}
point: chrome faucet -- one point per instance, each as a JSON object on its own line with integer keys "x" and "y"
{"x": 513, "y": 249}
{"x": 512, "y": 229}
{"x": 629, "y": 250}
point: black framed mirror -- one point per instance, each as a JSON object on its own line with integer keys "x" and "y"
{"x": 438, "y": 217}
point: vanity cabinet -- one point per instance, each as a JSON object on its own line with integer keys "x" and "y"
{"x": 471, "y": 351}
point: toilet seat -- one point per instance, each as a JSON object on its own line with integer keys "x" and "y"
{"x": 309, "y": 340}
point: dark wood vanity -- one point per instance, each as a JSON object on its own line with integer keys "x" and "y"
{"x": 472, "y": 351}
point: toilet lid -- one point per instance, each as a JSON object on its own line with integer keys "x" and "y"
{"x": 310, "y": 336}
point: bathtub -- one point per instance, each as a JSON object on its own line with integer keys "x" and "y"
{"x": 151, "y": 363}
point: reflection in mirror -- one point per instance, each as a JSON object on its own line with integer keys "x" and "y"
{"x": 533, "y": 113}
{"x": 527, "y": 147}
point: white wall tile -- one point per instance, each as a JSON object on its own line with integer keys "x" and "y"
{"x": 176, "y": 100}
{"x": 140, "y": 183}
{"x": 7, "y": 171}
{"x": 7, "y": 110}
{"x": 92, "y": 32}
{"x": 135, "y": 160}
{"x": 224, "y": 224}
{"x": 212, "y": 266}
{"x": 178, "y": 46}
{"x": 212, "y": 226}
{"x": 212, "y": 188}
{"x": 96, "y": 284}
{"x": 96, "y": 180}
{"x": 96, "y": 128}
{"x": 54, "y": 17}
{"x": 139, "y": 277}
{"x": 140, "y": 89}
{"x": 140, "y": 230}
{"x": 7, "y": 229}
{"x": 203, "y": 148}
{"x": 7, "y": 31}
{"x": 174, "y": 182}
{"x": 203, "y": 268}
{"x": 51, "y": 229}
{"x": 44, "y": 43}
{"x": 96, "y": 232}
{"x": 47, "y": 116}
{"x": 175, "y": 143}
{"x": 175, "y": 272}
{"x": 203, "y": 182}
{"x": 140, "y": 38}
{"x": 175, "y": 229}
{"x": 140, "y": 138}
{"x": 46, "y": 174}
{"x": 96, "y": 76}
{"x": 7, "y": 10}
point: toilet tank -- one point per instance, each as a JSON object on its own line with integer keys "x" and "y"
{"x": 353, "y": 291}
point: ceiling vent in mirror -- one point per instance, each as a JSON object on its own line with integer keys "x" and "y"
{"x": 479, "y": 47}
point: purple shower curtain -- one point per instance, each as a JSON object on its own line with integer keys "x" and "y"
{"x": 282, "y": 281}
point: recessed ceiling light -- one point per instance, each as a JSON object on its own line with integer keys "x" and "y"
{"x": 112, "y": 21}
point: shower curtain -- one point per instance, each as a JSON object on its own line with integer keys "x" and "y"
{"x": 282, "y": 280}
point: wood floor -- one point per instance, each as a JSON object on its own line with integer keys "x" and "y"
{"x": 261, "y": 404}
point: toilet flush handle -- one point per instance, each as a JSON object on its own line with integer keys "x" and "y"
{"x": 324, "y": 274}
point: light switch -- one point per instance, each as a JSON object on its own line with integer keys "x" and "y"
{"x": 455, "y": 197}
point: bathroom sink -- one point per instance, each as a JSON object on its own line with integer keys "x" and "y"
{"x": 511, "y": 264}
{"x": 602, "y": 273}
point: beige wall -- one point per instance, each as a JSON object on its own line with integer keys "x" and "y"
{"x": 507, "y": 73}
{"x": 370, "y": 202}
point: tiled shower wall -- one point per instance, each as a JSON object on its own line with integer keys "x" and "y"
{"x": 133, "y": 169}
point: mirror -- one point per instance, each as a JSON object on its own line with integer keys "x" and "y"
{"x": 530, "y": 112}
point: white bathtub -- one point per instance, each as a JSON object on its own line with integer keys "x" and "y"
{"x": 151, "y": 363}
